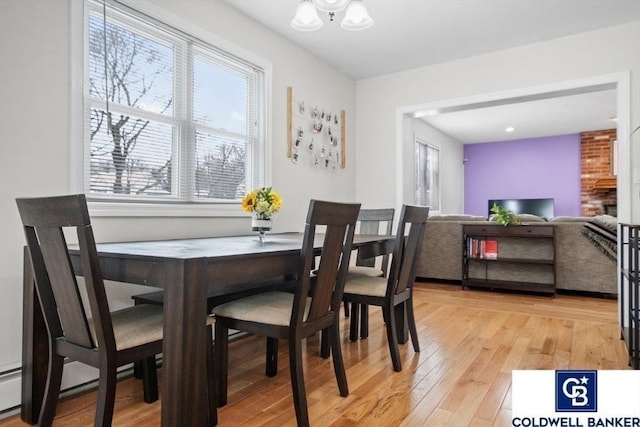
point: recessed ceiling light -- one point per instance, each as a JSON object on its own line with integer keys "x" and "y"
{"x": 425, "y": 113}
{"x": 510, "y": 129}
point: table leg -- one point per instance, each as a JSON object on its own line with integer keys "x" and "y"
{"x": 35, "y": 351}
{"x": 184, "y": 396}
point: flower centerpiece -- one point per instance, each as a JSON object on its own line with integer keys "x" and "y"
{"x": 262, "y": 203}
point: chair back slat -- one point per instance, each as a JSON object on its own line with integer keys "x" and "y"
{"x": 43, "y": 289}
{"x": 370, "y": 221}
{"x": 339, "y": 220}
{"x": 62, "y": 280}
{"x": 327, "y": 272}
{"x": 407, "y": 248}
{"x": 44, "y": 221}
{"x": 63, "y": 211}
{"x": 369, "y": 227}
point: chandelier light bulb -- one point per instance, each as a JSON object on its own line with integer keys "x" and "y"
{"x": 306, "y": 18}
{"x": 330, "y": 6}
{"x": 307, "y": 13}
{"x": 356, "y": 18}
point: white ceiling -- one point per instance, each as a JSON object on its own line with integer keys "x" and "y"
{"x": 530, "y": 118}
{"x": 413, "y": 33}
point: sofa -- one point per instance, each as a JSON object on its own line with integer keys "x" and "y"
{"x": 581, "y": 263}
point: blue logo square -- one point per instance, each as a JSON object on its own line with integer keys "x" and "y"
{"x": 576, "y": 391}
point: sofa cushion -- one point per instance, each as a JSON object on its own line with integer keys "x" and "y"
{"x": 602, "y": 231}
{"x": 569, "y": 219}
{"x": 523, "y": 218}
{"x": 456, "y": 217}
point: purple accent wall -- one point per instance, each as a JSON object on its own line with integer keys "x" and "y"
{"x": 522, "y": 169}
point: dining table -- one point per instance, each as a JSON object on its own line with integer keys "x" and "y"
{"x": 186, "y": 269}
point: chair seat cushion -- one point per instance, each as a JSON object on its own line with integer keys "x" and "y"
{"x": 365, "y": 285}
{"x": 365, "y": 271}
{"x": 273, "y": 308}
{"x": 133, "y": 326}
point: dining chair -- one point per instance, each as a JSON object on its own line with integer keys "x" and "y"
{"x": 91, "y": 335}
{"x": 397, "y": 289}
{"x": 301, "y": 313}
{"x": 370, "y": 221}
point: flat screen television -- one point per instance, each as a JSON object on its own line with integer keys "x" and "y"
{"x": 539, "y": 207}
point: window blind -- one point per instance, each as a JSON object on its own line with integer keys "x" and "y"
{"x": 427, "y": 183}
{"x": 168, "y": 116}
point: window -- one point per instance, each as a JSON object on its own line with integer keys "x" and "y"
{"x": 167, "y": 117}
{"x": 427, "y": 180}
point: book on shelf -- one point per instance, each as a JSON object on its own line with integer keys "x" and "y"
{"x": 482, "y": 248}
{"x": 491, "y": 249}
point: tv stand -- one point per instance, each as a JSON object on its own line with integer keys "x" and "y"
{"x": 524, "y": 261}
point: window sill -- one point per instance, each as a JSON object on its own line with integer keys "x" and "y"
{"x": 119, "y": 209}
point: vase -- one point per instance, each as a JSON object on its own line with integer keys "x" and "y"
{"x": 262, "y": 226}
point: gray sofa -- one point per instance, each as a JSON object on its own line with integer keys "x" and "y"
{"x": 580, "y": 265}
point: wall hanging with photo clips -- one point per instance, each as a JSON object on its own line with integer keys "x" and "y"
{"x": 315, "y": 135}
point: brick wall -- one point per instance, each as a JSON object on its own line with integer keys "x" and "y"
{"x": 595, "y": 165}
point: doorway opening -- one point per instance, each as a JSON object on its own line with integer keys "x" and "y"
{"x": 619, "y": 83}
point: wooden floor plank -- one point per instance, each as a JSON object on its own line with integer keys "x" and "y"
{"x": 470, "y": 340}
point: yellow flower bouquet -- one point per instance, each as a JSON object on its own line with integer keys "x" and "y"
{"x": 262, "y": 203}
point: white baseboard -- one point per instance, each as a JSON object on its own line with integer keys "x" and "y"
{"x": 76, "y": 377}
{"x": 10, "y": 386}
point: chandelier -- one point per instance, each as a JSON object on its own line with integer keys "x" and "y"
{"x": 356, "y": 16}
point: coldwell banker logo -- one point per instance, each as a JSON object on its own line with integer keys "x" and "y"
{"x": 576, "y": 391}
{"x": 581, "y": 398}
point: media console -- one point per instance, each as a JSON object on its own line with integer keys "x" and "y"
{"x": 520, "y": 257}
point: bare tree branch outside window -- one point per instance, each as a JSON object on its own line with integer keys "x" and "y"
{"x": 142, "y": 143}
{"x": 134, "y": 67}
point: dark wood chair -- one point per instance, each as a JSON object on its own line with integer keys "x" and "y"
{"x": 397, "y": 288}
{"x": 370, "y": 221}
{"x": 102, "y": 339}
{"x": 301, "y": 313}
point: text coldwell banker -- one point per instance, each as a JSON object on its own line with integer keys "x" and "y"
{"x": 576, "y": 422}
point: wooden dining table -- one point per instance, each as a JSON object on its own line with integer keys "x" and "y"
{"x": 187, "y": 269}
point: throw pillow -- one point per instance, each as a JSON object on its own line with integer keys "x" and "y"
{"x": 602, "y": 231}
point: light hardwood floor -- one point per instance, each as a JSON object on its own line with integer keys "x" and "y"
{"x": 470, "y": 341}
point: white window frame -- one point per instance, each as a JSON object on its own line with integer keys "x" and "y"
{"x": 77, "y": 107}
{"x": 417, "y": 168}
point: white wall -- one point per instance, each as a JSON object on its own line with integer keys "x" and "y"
{"x": 35, "y": 39}
{"x": 597, "y": 53}
{"x": 451, "y": 165}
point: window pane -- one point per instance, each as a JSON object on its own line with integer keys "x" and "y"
{"x": 135, "y": 160}
{"x": 219, "y": 97}
{"x": 427, "y": 184}
{"x": 187, "y": 117}
{"x": 139, "y": 69}
{"x": 220, "y": 167}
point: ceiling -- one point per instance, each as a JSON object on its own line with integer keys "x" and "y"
{"x": 413, "y": 33}
{"x": 529, "y": 117}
